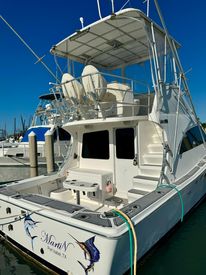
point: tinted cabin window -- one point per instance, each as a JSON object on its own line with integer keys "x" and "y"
{"x": 185, "y": 145}
{"x": 96, "y": 145}
{"x": 192, "y": 139}
{"x": 195, "y": 137}
{"x": 125, "y": 143}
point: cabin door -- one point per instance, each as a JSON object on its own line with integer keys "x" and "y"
{"x": 125, "y": 152}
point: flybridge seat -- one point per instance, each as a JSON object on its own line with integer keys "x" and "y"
{"x": 122, "y": 92}
{"x": 71, "y": 87}
{"x": 109, "y": 100}
{"x": 94, "y": 83}
{"x": 126, "y": 106}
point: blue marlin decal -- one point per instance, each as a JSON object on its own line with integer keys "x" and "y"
{"x": 91, "y": 253}
{"x": 28, "y": 225}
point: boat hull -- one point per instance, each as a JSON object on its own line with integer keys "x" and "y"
{"x": 60, "y": 246}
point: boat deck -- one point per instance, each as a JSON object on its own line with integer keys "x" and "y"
{"x": 80, "y": 213}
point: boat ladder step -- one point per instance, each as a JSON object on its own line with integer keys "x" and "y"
{"x": 144, "y": 177}
{"x": 155, "y": 148}
{"x": 150, "y": 170}
{"x": 153, "y": 158}
{"x": 145, "y": 183}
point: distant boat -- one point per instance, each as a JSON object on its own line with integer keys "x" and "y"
{"x": 4, "y": 145}
{"x": 2, "y": 134}
{"x": 14, "y": 160}
{"x": 137, "y": 163}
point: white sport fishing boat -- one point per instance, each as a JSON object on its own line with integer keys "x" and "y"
{"x": 137, "y": 163}
{"x": 14, "y": 157}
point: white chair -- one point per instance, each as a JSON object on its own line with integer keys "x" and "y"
{"x": 126, "y": 106}
{"x": 122, "y": 92}
{"x": 94, "y": 83}
{"x": 71, "y": 87}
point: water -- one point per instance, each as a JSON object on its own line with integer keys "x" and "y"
{"x": 12, "y": 263}
{"x": 182, "y": 252}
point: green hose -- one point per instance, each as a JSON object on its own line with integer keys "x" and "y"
{"x": 130, "y": 238}
{"x": 172, "y": 186}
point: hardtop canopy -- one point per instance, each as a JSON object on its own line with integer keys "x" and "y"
{"x": 112, "y": 42}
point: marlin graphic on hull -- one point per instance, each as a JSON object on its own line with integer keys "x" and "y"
{"x": 29, "y": 224}
{"x": 91, "y": 253}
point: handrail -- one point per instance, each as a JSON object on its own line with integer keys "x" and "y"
{"x": 166, "y": 152}
{"x": 103, "y": 74}
{"x": 93, "y": 104}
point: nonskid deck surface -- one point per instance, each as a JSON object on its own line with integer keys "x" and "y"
{"x": 80, "y": 213}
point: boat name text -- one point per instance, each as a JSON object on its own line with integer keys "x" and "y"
{"x": 52, "y": 241}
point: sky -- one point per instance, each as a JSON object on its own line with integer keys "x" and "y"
{"x": 43, "y": 23}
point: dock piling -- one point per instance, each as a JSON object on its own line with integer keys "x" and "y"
{"x": 33, "y": 155}
{"x": 49, "y": 151}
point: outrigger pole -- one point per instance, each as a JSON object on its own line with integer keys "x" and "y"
{"x": 176, "y": 57}
{"x": 180, "y": 68}
{"x": 39, "y": 59}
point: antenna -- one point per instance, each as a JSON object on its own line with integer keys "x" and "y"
{"x": 82, "y": 21}
{"x": 39, "y": 59}
{"x": 99, "y": 9}
{"x": 112, "y": 2}
{"x": 148, "y": 2}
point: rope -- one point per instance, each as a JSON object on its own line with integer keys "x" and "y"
{"x": 112, "y": 2}
{"x": 20, "y": 217}
{"x": 172, "y": 186}
{"x": 124, "y": 217}
{"x": 14, "y": 221}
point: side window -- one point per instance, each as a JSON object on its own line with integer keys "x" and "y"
{"x": 192, "y": 139}
{"x": 125, "y": 143}
{"x": 195, "y": 136}
{"x": 96, "y": 145}
{"x": 185, "y": 146}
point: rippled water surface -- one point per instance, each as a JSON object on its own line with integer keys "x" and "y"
{"x": 13, "y": 263}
